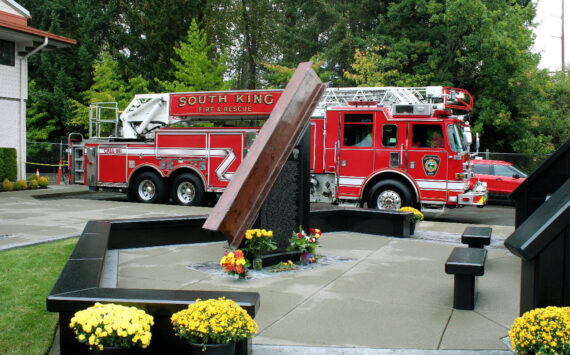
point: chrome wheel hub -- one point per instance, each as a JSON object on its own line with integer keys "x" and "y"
{"x": 186, "y": 192}
{"x": 147, "y": 190}
{"x": 389, "y": 200}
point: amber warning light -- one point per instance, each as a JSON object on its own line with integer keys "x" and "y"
{"x": 225, "y": 103}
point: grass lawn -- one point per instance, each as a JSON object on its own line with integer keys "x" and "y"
{"x": 26, "y": 278}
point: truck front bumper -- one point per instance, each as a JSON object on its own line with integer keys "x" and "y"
{"x": 476, "y": 197}
{"x": 472, "y": 198}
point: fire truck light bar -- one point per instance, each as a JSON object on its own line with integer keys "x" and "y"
{"x": 363, "y": 103}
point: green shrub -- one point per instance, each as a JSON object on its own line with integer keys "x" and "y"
{"x": 7, "y": 185}
{"x": 33, "y": 184}
{"x": 21, "y": 185}
{"x": 33, "y": 177}
{"x": 8, "y": 164}
{"x": 43, "y": 181}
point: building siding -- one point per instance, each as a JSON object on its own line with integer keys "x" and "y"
{"x": 10, "y": 79}
{"x": 9, "y": 135}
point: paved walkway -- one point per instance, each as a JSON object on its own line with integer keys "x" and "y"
{"x": 386, "y": 296}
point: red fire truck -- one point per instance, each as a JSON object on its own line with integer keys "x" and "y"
{"x": 377, "y": 147}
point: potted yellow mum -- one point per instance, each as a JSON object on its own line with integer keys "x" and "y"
{"x": 417, "y": 217}
{"x": 542, "y": 331}
{"x": 105, "y": 327}
{"x": 214, "y": 325}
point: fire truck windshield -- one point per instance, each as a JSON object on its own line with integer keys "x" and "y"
{"x": 455, "y": 137}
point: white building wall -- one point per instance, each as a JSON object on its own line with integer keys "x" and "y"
{"x": 9, "y": 116}
{"x": 12, "y": 121}
{"x": 10, "y": 80}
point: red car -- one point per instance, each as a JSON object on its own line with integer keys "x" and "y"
{"x": 501, "y": 177}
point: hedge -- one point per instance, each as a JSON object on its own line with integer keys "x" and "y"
{"x": 8, "y": 164}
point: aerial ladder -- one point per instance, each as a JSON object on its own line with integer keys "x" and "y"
{"x": 147, "y": 112}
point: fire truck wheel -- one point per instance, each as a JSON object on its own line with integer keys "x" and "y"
{"x": 187, "y": 190}
{"x": 389, "y": 195}
{"x": 149, "y": 188}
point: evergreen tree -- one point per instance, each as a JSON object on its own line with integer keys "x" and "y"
{"x": 107, "y": 87}
{"x": 479, "y": 45}
{"x": 195, "y": 71}
{"x": 144, "y": 36}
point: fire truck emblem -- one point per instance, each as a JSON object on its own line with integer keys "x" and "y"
{"x": 431, "y": 164}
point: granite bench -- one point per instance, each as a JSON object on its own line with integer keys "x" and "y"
{"x": 465, "y": 264}
{"x": 476, "y": 237}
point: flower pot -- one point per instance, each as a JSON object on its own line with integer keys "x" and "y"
{"x": 412, "y": 228}
{"x": 257, "y": 263}
{"x": 213, "y": 349}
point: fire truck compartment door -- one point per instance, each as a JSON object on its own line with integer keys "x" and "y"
{"x": 91, "y": 166}
{"x": 427, "y": 161}
{"x": 112, "y": 164}
{"x": 356, "y": 153}
{"x": 225, "y": 155}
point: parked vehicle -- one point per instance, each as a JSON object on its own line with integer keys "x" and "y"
{"x": 381, "y": 147}
{"x": 502, "y": 177}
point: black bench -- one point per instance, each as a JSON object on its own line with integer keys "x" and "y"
{"x": 477, "y": 237}
{"x": 465, "y": 264}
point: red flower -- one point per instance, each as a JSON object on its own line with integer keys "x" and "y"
{"x": 300, "y": 235}
{"x": 312, "y": 230}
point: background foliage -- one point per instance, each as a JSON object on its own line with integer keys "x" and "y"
{"x": 127, "y": 47}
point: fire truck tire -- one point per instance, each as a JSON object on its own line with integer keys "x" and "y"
{"x": 150, "y": 188}
{"x": 187, "y": 190}
{"x": 389, "y": 195}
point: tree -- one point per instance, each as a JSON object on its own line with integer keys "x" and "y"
{"x": 195, "y": 71}
{"x": 61, "y": 75}
{"x": 480, "y": 45}
{"x": 143, "y": 37}
{"x": 107, "y": 87}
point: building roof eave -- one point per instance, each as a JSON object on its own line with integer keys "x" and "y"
{"x": 57, "y": 40}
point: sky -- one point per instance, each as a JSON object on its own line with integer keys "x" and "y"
{"x": 548, "y": 33}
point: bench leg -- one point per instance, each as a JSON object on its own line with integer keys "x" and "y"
{"x": 464, "y": 292}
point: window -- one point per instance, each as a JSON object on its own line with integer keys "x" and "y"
{"x": 504, "y": 170}
{"x": 482, "y": 169}
{"x": 7, "y": 54}
{"x": 357, "y": 130}
{"x": 389, "y": 135}
{"x": 456, "y": 142}
{"x": 427, "y": 136}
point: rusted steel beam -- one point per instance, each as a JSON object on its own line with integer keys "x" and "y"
{"x": 240, "y": 203}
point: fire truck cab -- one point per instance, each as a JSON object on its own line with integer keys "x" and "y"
{"x": 388, "y": 158}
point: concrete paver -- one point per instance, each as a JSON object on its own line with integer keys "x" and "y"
{"x": 393, "y": 293}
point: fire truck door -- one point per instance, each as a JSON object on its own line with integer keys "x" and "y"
{"x": 389, "y": 147}
{"x": 111, "y": 164}
{"x": 225, "y": 155}
{"x": 427, "y": 160}
{"x": 356, "y": 152}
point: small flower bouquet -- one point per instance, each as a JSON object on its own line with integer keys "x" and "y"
{"x": 213, "y": 321}
{"x": 112, "y": 326}
{"x": 417, "y": 217}
{"x": 256, "y": 242}
{"x": 235, "y": 263}
{"x": 542, "y": 331}
{"x": 305, "y": 243}
{"x": 284, "y": 266}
